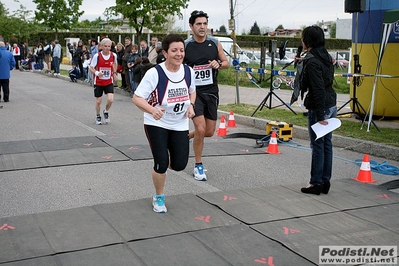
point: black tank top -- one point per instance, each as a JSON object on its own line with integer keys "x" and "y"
{"x": 199, "y": 54}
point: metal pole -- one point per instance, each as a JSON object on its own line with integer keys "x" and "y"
{"x": 233, "y": 35}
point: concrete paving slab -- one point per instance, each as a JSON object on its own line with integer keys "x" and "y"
{"x": 192, "y": 213}
{"x": 47, "y": 261}
{"x": 136, "y": 152}
{"x": 21, "y": 238}
{"x": 110, "y": 255}
{"x": 83, "y": 156}
{"x": 20, "y": 161}
{"x": 10, "y": 147}
{"x": 371, "y": 192}
{"x": 116, "y": 140}
{"x": 76, "y": 229}
{"x": 295, "y": 203}
{"x": 305, "y": 235}
{"x": 241, "y": 245}
{"x": 182, "y": 249}
{"x": 338, "y": 196}
{"x": 244, "y": 207}
{"x": 384, "y": 215}
{"x": 223, "y": 147}
{"x": 67, "y": 143}
{"x": 271, "y": 203}
{"x": 135, "y": 220}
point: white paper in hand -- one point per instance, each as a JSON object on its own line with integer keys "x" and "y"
{"x": 322, "y": 130}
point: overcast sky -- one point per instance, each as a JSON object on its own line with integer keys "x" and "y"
{"x": 267, "y": 13}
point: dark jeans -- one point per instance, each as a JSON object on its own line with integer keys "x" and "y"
{"x": 5, "y": 85}
{"x": 56, "y": 62}
{"x": 322, "y": 152}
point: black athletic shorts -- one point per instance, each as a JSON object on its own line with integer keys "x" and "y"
{"x": 99, "y": 90}
{"x": 165, "y": 144}
{"x": 206, "y": 104}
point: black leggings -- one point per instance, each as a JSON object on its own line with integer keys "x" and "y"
{"x": 167, "y": 144}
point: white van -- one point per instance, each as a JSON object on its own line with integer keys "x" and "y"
{"x": 227, "y": 44}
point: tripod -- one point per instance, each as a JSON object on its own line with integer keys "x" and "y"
{"x": 356, "y": 81}
{"x": 271, "y": 93}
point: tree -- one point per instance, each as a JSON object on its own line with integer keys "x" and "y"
{"x": 58, "y": 14}
{"x": 280, "y": 27}
{"x": 254, "y": 29}
{"x": 18, "y": 24}
{"x": 333, "y": 30}
{"x": 223, "y": 29}
{"x": 145, "y": 13}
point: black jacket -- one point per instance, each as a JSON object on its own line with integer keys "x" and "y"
{"x": 318, "y": 77}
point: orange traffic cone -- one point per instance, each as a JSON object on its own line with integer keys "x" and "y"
{"x": 231, "y": 122}
{"x": 364, "y": 174}
{"x": 273, "y": 147}
{"x": 222, "y": 127}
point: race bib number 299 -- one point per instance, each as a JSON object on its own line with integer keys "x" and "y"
{"x": 203, "y": 75}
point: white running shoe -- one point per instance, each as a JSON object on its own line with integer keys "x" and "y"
{"x": 98, "y": 120}
{"x": 106, "y": 117}
{"x": 199, "y": 173}
{"x": 158, "y": 203}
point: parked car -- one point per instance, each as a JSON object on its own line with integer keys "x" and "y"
{"x": 268, "y": 60}
{"x": 339, "y": 60}
{"x": 252, "y": 57}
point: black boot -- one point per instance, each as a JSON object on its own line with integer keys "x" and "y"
{"x": 326, "y": 187}
{"x": 314, "y": 189}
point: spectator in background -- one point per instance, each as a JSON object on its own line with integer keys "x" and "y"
{"x": 152, "y": 53}
{"x": 132, "y": 58}
{"x": 74, "y": 73}
{"x": 136, "y": 74}
{"x": 86, "y": 64}
{"x": 47, "y": 54}
{"x": 93, "y": 47}
{"x": 79, "y": 55}
{"x": 72, "y": 51}
{"x": 144, "y": 48}
{"x": 86, "y": 52}
{"x": 120, "y": 50}
{"x": 125, "y": 59}
{"x": 160, "y": 56}
{"x": 56, "y": 58}
{"x": 145, "y": 65}
{"x": 8, "y": 46}
{"x": 40, "y": 55}
{"x": 16, "y": 52}
{"x": 7, "y": 63}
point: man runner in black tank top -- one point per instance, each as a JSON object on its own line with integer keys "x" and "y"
{"x": 206, "y": 56}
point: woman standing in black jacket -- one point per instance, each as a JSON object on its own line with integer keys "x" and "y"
{"x": 321, "y": 99}
{"x": 120, "y": 51}
{"x": 79, "y": 55}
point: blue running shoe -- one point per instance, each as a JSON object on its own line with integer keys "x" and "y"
{"x": 158, "y": 203}
{"x": 199, "y": 173}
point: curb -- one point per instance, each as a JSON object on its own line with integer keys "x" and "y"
{"x": 347, "y": 143}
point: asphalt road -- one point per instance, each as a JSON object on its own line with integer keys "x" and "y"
{"x": 45, "y": 107}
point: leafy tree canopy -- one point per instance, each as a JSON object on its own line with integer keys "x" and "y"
{"x": 58, "y": 14}
{"x": 145, "y": 13}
